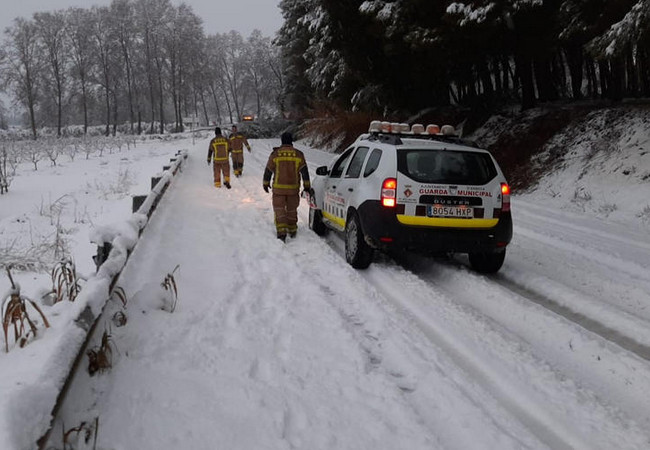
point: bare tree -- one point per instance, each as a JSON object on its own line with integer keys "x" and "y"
{"x": 8, "y": 162}
{"x": 104, "y": 52}
{"x": 152, "y": 16}
{"x": 51, "y": 30}
{"x": 233, "y": 66}
{"x": 52, "y": 149}
{"x": 33, "y": 152}
{"x": 23, "y": 64}
{"x": 123, "y": 13}
{"x": 79, "y": 33}
{"x": 182, "y": 40}
{"x": 259, "y": 65}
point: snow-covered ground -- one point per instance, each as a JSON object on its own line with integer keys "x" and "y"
{"x": 284, "y": 346}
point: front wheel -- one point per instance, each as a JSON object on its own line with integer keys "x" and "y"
{"x": 316, "y": 222}
{"x": 357, "y": 251}
{"x": 487, "y": 262}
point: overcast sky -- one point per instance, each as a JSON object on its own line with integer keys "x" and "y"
{"x": 219, "y": 16}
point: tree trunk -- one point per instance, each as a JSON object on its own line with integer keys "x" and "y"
{"x": 544, "y": 80}
{"x": 575, "y": 61}
{"x": 632, "y": 79}
{"x": 216, "y": 102}
{"x": 603, "y": 69}
{"x": 525, "y": 75}
{"x": 84, "y": 100}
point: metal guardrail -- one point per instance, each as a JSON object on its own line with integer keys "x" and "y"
{"x": 95, "y": 322}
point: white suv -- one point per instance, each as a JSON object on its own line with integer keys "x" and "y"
{"x": 414, "y": 189}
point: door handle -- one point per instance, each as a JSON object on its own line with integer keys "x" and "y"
{"x": 350, "y": 190}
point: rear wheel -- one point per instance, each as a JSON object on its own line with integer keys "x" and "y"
{"x": 357, "y": 251}
{"x": 487, "y": 262}
{"x": 316, "y": 222}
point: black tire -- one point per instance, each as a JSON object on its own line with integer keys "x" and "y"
{"x": 357, "y": 251}
{"x": 487, "y": 262}
{"x": 316, "y": 222}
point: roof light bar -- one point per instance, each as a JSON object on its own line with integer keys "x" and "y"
{"x": 433, "y": 129}
{"x": 378, "y": 126}
{"x": 375, "y": 126}
{"x": 447, "y": 130}
{"x": 417, "y": 128}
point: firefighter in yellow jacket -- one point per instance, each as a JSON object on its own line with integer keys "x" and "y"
{"x": 287, "y": 165}
{"x": 218, "y": 156}
{"x": 237, "y": 141}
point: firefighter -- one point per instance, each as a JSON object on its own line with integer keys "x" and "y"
{"x": 218, "y": 155}
{"x": 237, "y": 142}
{"x": 287, "y": 165}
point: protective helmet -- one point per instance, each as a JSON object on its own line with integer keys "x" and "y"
{"x": 217, "y": 131}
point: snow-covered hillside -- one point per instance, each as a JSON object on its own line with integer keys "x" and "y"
{"x": 598, "y": 161}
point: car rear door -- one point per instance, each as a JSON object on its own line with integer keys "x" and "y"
{"x": 447, "y": 188}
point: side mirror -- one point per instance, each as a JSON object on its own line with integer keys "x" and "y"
{"x": 322, "y": 170}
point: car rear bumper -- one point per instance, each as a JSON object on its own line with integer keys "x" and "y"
{"x": 384, "y": 231}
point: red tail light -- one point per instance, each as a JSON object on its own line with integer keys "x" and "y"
{"x": 505, "y": 195}
{"x": 388, "y": 193}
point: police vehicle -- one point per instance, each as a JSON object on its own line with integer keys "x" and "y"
{"x": 418, "y": 189}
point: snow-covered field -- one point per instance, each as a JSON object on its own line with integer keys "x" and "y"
{"x": 284, "y": 346}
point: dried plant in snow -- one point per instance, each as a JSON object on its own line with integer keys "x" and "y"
{"x": 14, "y": 313}
{"x": 100, "y": 358}
{"x": 169, "y": 285}
{"x": 119, "y": 319}
{"x": 120, "y": 294}
{"x": 80, "y": 436}
{"x": 65, "y": 281}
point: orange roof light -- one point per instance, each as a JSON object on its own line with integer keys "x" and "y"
{"x": 433, "y": 129}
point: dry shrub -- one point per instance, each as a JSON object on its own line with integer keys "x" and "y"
{"x": 119, "y": 319}
{"x": 169, "y": 285}
{"x": 100, "y": 358}
{"x": 120, "y": 294}
{"x": 14, "y": 312}
{"x": 65, "y": 281}
{"x": 80, "y": 436}
{"x": 335, "y": 129}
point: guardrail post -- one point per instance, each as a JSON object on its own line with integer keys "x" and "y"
{"x": 102, "y": 254}
{"x": 138, "y": 200}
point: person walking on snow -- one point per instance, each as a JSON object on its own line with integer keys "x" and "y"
{"x": 237, "y": 142}
{"x": 218, "y": 155}
{"x": 286, "y": 165}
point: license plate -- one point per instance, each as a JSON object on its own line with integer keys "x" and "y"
{"x": 449, "y": 211}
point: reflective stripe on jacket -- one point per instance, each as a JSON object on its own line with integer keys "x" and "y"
{"x": 287, "y": 165}
{"x": 219, "y": 149}
{"x": 237, "y": 142}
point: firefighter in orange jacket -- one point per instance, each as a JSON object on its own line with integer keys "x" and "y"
{"x": 237, "y": 141}
{"x": 218, "y": 155}
{"x": 287, "y": 165}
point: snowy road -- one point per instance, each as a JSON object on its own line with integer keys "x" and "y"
{"x": 285, "y": 346}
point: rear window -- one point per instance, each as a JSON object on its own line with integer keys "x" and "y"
{"x": 446, "y": 166}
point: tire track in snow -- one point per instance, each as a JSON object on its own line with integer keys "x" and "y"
{"x": 624, "y": 340}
